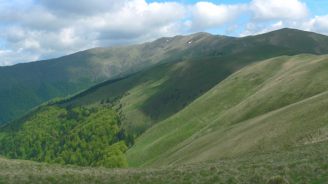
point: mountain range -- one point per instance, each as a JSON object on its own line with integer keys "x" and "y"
{"x": 28, "y": 85}
{"x": 181, "y": 101}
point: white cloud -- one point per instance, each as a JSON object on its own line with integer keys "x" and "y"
{"x": 320, "y": 24}
{"x": 278, "y": 9}
{"x": 137, "y": 18}
{"x": 207, "y": 15}
{"x": 81, "y": 7}
{"x": 38, "y": 29}
{"x": 8, "y": 57}
{"x": 316, "y": 24}
{"x": 68, "y": 36}
{"x": 55, "y": 28}
{"x": 255, "y": 28}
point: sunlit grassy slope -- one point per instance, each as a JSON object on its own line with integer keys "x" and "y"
{"x": 25, "y": 86}
{"x": 267, "y": 106}
{"x": 272, "y": 105}
{"x": 304, "y": 164}
{"x": 255, "y": 118}
{"x": 153, "y": 95}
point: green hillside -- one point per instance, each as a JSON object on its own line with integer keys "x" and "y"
{"x": 155, "y": 94}
{"x": 267, "y": 106}
{"x": 210, "y": 109}
{"x": 305, "y": 164}
{"x": 80, "y": 136}
{"x": 25, "y": 86}
{"x": 272, "y": 105}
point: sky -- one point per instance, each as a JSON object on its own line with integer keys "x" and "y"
{"x": 33, "y": 30}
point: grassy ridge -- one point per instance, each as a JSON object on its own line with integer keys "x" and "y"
{"x": 270, "y": 105}
{"x": 25, "y": 86}
{"x": 153, "y": 95}
{"x": 305, "y": 164}
{"x": 267, "y": 106}
{"x": 198, "y": 112}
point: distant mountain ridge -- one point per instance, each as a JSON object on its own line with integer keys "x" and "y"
{"x": 201, "y": 98}
{"x": 25, "y": 86}
{"x": 270, "y": 105}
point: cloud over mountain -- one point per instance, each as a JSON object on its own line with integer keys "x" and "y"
{"x": 38, "y": 29}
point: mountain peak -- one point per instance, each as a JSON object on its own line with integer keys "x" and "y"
{"x": 290, "y": 30}
{"x": 200, "y": 34}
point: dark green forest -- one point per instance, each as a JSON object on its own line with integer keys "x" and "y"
{"x": 86, "y": 136}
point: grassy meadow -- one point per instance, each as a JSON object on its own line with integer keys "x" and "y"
{"x": 306, "y": 164}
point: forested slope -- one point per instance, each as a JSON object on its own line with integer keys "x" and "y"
{"x": 80, "y": 136}
{"x": 25, "y": 86}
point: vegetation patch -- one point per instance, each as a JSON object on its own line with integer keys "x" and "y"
{"x": 82, "y": 136}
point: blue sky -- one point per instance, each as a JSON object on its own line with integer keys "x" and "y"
{"x": 40, "y": 29}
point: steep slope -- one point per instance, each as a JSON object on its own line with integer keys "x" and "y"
{"x": 25, "y": 86}
{"x": 306, "y": 164}
{"x": 153, "y": 95}
{"x": 195, "y": 112}
{"x": 268, "y": 106}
